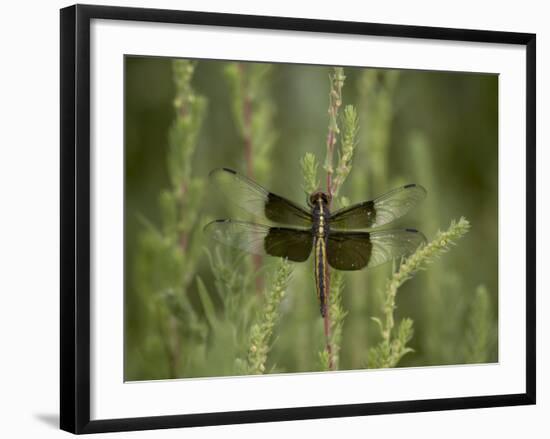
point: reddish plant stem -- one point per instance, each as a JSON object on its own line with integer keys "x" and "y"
{"x": 335, "y": 96}
{"x": 248, "y": 156}
{"x": 327, "y": 325}
{"x": 247, "y": 121}
{"x": 330, "y": 152}
{"x": 327, "y": 322}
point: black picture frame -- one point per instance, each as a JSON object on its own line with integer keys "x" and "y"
{"x": 75, "y": 217}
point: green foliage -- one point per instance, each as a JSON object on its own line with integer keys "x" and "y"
{"x": 337, "y": 79}
{"x": 337, "y": 316}
{"x": 377, "y": 89}
{"x": 481, "y": 333}
{"x": 374, "y": 170}
{"x": 388, "y": 353}
{"x": 229, "y": 323}
{"x": 189, "y": 108}
{"x": 253, "y": 111}
{"x": 194, "y": 309}
{"x": 348, "y": 144}
{"x": 208, "y": 335}
{"x": 393, "y": 346}
{"x": 169, "y": 254}
{"x": 309, "y": 165}
{"x": 262, "y": 331}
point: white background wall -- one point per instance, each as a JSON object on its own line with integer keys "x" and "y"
{"x": 29, "y": 206}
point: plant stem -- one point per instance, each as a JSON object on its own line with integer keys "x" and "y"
{"x": 247, "y": 120}
{"x": 394, "y": 342}
{"x": 328, "y": 344}
{"x": 424, "y": 255}
{"x": 175, "y": 203}
{"x": 248, "y": 152}
{"x": 335, "y": 101}
{"x": 262, "y": 331}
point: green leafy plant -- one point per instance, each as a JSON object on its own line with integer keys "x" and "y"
{"x": 253, "y": 112}
{"x": 261, "y": 332}
{"x": 169, "y": 253}
{"x": 394, "y": 343}
{"x": 481, "y": 336}
{"x": 216, "y": 311}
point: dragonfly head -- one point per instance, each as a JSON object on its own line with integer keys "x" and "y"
{"x": 319, "y": 195}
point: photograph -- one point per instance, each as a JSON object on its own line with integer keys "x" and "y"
{"x": 293, "y": 218}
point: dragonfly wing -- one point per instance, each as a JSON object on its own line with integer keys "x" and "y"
{"x": 357, "y": 250}
{"x": 285, "y": 242}
{"x": 258, "y": 201}
{"x": 380, "y": 211}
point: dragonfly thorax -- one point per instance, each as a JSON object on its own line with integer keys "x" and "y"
{"x": 320, "y": 214}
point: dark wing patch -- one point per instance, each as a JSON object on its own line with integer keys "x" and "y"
{"x": 349, "y": 250}
{"x": 283, "y": 211}
{"x": 289, "y": 243}
{"x": 358, "y": 216}
{"x": 284, "y": 242}
{"x": 256, "y": 200}
{"x": 380, "y": 211}
{"x": 357, "y": 250}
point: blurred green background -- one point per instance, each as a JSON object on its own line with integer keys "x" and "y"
{"x": 438, "y": 129}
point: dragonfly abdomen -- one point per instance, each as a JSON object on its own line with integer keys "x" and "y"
{"x": 320, "y": 232}
{"x": 321, "y": 272}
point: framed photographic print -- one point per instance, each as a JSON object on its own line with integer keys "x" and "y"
{"x": 268, "y": 218}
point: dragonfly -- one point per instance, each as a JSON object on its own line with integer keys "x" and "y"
{"x": 343, "y": 239}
